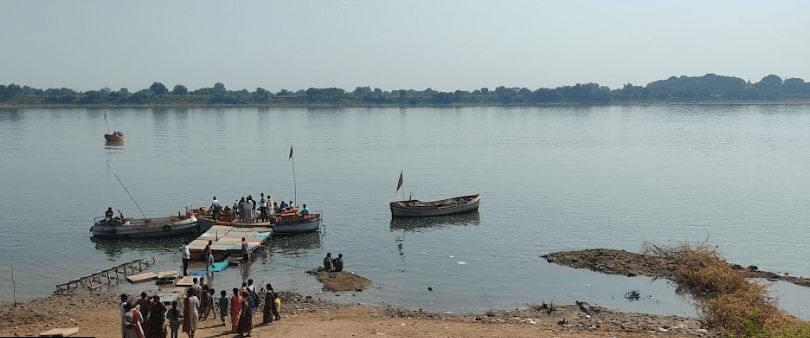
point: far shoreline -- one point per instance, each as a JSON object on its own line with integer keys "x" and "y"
{"x": 361, "y": 105}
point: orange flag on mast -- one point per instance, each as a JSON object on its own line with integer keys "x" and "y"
{"x": 399, "y": 184}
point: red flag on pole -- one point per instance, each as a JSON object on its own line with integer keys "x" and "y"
{"x": 399, "y": 184}
{"x": 291, "y": 151}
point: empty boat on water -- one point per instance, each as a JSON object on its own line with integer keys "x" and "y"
{"x": 449, "y": 206}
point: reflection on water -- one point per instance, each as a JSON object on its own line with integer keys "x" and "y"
{"x": 118, "y": 144}
{"x": 294, "y": 244}
{"x": 419, "y": 224}
{"x": 113, "y": 248}
{"x": 11, "y": 115}
{"x": 289, "y": 246}
{"x": 423, "y": 224}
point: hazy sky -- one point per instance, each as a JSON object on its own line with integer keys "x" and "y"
{"x": 444, "y": 45}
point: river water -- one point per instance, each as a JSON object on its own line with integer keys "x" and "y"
{"x": 551, "y": 179}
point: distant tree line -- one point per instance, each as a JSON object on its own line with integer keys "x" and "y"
{"x": 707, "y": 88}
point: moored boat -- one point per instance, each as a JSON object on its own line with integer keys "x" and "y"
{"x": 114, "y": 137}
{"x": 120, "y": 227}
{"x": 284, "y": 224}
{"x": 449, "y": 206}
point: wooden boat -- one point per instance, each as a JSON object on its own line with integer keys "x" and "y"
{"x": 449, "y": 206}
{"x": 120, "y": 227}
{"x": 285, "y": 224}
{"x": 116, "y": 136}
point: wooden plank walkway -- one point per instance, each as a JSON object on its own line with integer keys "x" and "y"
{"x": 142, "y": 277}
{"x": 105, "y": 277}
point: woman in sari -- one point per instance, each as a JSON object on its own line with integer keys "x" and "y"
{"x": 138, "y": 319}
{"x": 245, "y": 317}
{"x": 269, "y": 310}
{"x": 129, "y": 321}
{"x": 236, "y": 308}
{"x": 190, "y": 315}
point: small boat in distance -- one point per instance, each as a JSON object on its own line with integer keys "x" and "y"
{"x": 116, "y": 136}
{"x": 449, "y": 206}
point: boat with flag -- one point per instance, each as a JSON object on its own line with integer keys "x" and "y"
{"x": 447, "y": 206}
{"x": 287, "y": 223}
{"x": 115, "y": 136}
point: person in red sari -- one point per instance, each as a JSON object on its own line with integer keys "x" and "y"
{"x": 190, "y": 314}
{"x": 136, "y": 314}
{"x": 236, "y": 308}
{"x": 245, "y": 317}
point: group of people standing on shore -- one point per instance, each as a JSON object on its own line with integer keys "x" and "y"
{"x": 247, "y": 210}
{"x": 146, "y": 317}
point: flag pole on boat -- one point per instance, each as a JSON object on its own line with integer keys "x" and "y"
{"x": 399, "y": 185}
{"x": 108, "y": 122}
{"x": 295, "y": 186}
{"x": 130, "y": 195}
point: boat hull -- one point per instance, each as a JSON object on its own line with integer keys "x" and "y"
{"x": 146, "y": 227}
{"x": 297, "y": 227}
{"x": 450, "y": 206}
{"x": 280, "y": 228}
{"x": 114, "y": 137}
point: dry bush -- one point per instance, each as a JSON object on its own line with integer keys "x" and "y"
{"x": 725, "y": 296}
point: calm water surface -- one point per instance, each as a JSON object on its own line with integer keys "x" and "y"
{"x": 551, "y": 178}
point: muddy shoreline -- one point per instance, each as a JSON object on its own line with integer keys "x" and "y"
{"x": 620, "y": 262}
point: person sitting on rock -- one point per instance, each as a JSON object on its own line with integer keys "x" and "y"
{"x": 327, "y": 262}
{"x": 338, "y": 264}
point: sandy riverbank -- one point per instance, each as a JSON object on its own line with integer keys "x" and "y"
{"x": 97, "y": 316}
{"x": 304, "y": 316}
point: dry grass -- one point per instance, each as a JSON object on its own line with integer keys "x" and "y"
{"x": 726, "y": 298}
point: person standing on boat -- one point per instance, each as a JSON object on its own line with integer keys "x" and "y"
{"x": 252, "y": 209}
{"x": 242, "y": 210}
{"x": 109, "y": 214}
{"x": 235, "y": 210}
{"x": 263, "y": 208}
{"x": 186, "y": 257}
{"x": 215, "y": 207}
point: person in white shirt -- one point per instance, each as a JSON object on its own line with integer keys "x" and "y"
{"x": 186, "y": 257}
{"x": 215, "y": 208}
{"x": 263, "y": 208}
